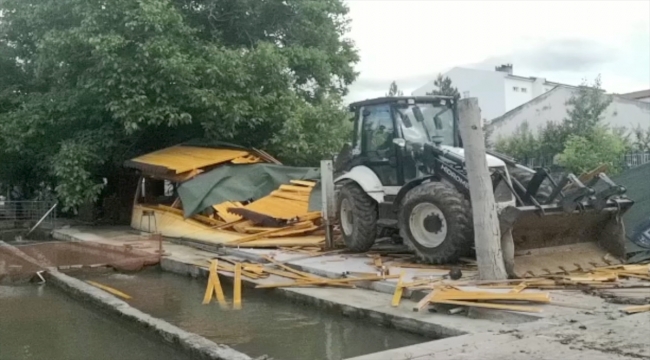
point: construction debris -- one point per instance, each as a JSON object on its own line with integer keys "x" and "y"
{"x": 109, "y": 289}
{"x": 214, "y": 286}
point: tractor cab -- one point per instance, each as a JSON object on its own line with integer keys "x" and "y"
{"x": 389, "y": 131}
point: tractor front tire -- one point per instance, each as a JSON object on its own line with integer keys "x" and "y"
{"x": 435, "y": 221}
{"x": 357, "y": 214}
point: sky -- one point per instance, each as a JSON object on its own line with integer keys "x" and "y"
{"x": 563, "y": 41}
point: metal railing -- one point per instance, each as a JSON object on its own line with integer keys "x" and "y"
{"x": 628, "y": 161}
{"x": 636, "y": 159}
{"x": 27, "y": 211}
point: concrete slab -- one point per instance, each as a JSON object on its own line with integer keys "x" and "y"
{"x": 601, "y": 339}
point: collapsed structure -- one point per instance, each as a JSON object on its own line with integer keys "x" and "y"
{"x": 226, "y": 194}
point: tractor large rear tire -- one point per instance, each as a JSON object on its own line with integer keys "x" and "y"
{"x": 435, "y": 221}
{"x": 524, "y": 177}
{"x": 357, "y": 214}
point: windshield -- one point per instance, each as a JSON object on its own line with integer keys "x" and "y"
{"x": 425, "y": 131}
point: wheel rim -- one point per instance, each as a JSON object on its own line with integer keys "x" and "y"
{"x": 347, "y": 222}
{"x": 428, "y": 225}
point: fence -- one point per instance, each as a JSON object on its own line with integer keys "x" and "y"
{"x": 630, "y": 160}
{"x": 27, "y": 212}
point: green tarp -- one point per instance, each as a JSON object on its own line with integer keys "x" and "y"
{"x": 240, "y": 183}
{"x": 637, "y": 219}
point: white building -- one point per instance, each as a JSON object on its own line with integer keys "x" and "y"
{"x": 497, "y": 91}
{"x": 551, "y": 107}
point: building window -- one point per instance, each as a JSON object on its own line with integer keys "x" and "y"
{"x": 465, "y": 94}
{"x": 515, "y": 88}
{"x": 524, "y": 90}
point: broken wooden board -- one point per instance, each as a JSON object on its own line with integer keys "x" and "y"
{"x": 306, "y": 283}
{"x": 399, "y": 289}
{"x": 109, "y": 289}
{"x": 214, "y": 286}
{"x": 488, "y": 305}
{"x": 636, "y": 309}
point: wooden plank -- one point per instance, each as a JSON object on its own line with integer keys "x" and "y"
{"x": 293, "y": 232}
{"x": 636, "y": 309}
{"x": 472, "y": 295}
{"x": 425, "y": 300}
{"x": 519, "y": 288}
{"x": 294, "y": 188}
{"x": 109, "y": 289}
{"x": 291, "y": 195}
{"x": 263, "y": 234}
{"x": 399, "y": 289}
{"x": 236, "y": 302}
{"x": 303, "y": 183}
{"x": 325, "y": 282}
{"x": 488, "y": 305}
{"x": 214, "y": 286}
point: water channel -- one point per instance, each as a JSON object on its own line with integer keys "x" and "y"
{"x": 267, "y": 324}
{"x": 40, "y": 322}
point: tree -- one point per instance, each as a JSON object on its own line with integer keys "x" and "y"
{"x": 522, "y": 144}
{"x": 585, "y": 109}
{"x": 86, "y": 85}
{"x": 393, "y": 90}
{"x": 582, "y": 154}
{"x": 444, "y": 87}
{"x": 641, "y": 139}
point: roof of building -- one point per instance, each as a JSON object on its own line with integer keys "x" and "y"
{"x": 637, "y": 94}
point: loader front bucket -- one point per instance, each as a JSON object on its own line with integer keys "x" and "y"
{"x": 553, "y": 241}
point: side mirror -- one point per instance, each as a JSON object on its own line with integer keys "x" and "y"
{"x": 436, "y": 120}
{"x": 399, "y": 142}
{"x": 418, "y": 113}
{"x": 366, "y": 112}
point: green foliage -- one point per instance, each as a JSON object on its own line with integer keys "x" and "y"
{"x": 86, "y": 85}
{"x": 641, "y": 140}
{"x": 522, "y": 143}
{"x": 393, "y": 90}
{"x": 444, "y": 87}
{"x": 582, "y": 153}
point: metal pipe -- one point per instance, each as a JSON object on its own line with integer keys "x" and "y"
{"x": 42, "y": 218}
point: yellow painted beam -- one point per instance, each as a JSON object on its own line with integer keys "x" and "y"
{"x": 488, "y": 305}
{"x": 399, "y": 289}
{"x": 237, "y": 288}
{"x": 109, "y": 289}
{"x": 214, "y": 286}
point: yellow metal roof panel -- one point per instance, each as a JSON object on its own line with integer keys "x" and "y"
{"x": 180, "y": 159}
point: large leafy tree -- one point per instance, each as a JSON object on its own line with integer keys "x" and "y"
{"x": 85, "y": 85}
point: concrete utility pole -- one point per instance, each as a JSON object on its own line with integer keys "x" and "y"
{"x": 487, "y": 235}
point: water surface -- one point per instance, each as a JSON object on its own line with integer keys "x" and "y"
{"x": 267, "y": 324}
{"x": 40, "y": 322}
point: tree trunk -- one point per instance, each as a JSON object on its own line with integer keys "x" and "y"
{"x": 487, "y": 235}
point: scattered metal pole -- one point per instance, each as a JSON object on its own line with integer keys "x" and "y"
{"x": 43, "y": 218}
{"x": 329, "y": 199}
{"x": 487, "y": 233}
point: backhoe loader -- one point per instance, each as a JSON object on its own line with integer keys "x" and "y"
{"x": 404, "y": 177}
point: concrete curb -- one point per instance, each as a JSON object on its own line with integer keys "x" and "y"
{"x": 196, "y": 346}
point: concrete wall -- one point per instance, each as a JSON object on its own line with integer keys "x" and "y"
{"x": 487, "y": 86}
{"x": 551, "y": 107}
{"x": 517, "y": 92}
